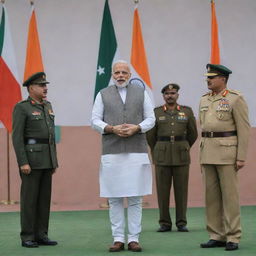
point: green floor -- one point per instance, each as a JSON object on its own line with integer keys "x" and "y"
{"x": 85, "y": 233}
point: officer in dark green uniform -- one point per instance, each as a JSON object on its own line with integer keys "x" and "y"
{"x": 34, "y": 144}
{"x": 170, "y": 141}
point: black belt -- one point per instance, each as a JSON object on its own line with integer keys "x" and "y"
{"x": 32, "y": 141}
{"x": 219, "y": 134}
{"x": 172, "y": 138}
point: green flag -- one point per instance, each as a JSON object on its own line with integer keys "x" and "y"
{"x": 107, "y": 51}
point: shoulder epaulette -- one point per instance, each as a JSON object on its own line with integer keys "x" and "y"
{"x": 23, "y": 101}
{"x": 159, "y": 107}
{"x": 206, "y": 94}
{"x": 184, "y": 106}
{"x": 234, "y": 92}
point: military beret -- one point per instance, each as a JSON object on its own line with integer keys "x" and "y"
{"x": 170, "y": 86}
{"x": 36, "y": 78}
{"x": 215, "y": 70}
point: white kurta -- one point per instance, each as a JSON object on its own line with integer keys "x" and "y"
{"x": 124, "y": 174}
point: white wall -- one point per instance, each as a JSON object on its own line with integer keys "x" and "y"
{"x": 176, "y": 36}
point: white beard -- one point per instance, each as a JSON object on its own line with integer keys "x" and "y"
{"x": 123, "y": 85}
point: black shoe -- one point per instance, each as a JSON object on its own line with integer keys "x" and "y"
{"x": 164, "y": 228}
{"x": 29, "y": 244}
{"x": 213, "y": 243}
{"x": 46, "y": 241}
{"x": 230, "y": 246}
{"x": 182, "y": 229}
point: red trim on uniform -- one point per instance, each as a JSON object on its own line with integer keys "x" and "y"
{"x": 225, "y": 93}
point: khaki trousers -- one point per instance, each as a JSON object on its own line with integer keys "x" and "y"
{"x": 222, "y": 202}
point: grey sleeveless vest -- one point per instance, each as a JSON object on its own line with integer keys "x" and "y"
{"x": 116, "y": 112}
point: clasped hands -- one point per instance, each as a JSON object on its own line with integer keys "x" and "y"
{"x": 124, "y": 130}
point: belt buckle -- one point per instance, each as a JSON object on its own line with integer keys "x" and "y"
{"x": 172, "y": 138}
{"x": 31, "y": 141}
{"x": 211, "y": 134}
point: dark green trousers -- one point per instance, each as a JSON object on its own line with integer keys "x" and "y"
{"x": 35, "y": 199}
{"x": 165, "y": 176}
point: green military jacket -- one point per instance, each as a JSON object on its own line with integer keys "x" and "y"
{"x": 34, "y": 120}
{"x": 179, "y": 122}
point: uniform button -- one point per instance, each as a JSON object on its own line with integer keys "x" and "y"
{"x": 172, "y": 117}
{"x": 172, "y": 123}
{"x": 172, "y": 131}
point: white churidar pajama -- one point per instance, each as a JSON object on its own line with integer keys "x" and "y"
{"x": 125, "y": 175}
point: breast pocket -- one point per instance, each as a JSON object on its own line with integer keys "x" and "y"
{"x": 36, "y": 118}
{"x": 224, "y": 115}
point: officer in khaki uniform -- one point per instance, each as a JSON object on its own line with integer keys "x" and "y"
{"x": 34, "y": 144}
{"x": 170, "y": 141}
{"x": 225, "y": 131}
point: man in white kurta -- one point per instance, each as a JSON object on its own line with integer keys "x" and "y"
{"x": 124, "y": 174}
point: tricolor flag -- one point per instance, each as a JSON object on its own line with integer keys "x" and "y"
{"x": 140, "y": 73}
{"x": 215, "y": 50}
{"x": 34, "y": 62}
{"x": 10, "y": 92}
{"x": 107, "y": 51}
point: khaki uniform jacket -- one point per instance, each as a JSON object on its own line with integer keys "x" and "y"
{"x": 226, "y": 111}
{"x": 179, "y": 122}
{"x": 33, "y": 120}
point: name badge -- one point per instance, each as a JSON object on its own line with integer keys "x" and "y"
{"x": 36, "y": 113}
{"x": 162, "y": 118}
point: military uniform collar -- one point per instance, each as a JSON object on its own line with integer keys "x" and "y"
{"x": 223, "y": 93}
{"x": 178, "y": 108}
{"x": 34, "y": 102}
{"x": 214, "y": 96}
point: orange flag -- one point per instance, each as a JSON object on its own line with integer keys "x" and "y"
{"x": 34, "y": 62}
{"x": 215, "y": 50}
{"x": 140, "y": 72}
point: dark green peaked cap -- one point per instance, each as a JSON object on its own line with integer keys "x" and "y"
{"x": 170, "y": 86}
{"x": 215, "y": 70}
{"x": 37, "y": 78}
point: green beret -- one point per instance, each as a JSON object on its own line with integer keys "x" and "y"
{"x": 37, "y": 78}
{"x": 170, "y": 86}
{"x": 215, "y": 70}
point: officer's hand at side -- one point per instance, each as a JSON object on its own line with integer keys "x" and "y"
{"x": 239, "y": 164}
{"x": 25, "y": 169}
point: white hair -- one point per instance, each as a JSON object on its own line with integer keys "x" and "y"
{"x": 120, "y": 61}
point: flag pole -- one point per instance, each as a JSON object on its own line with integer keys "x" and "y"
{"x": 9, "y": 201}
{"x": 8, "y": 169}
